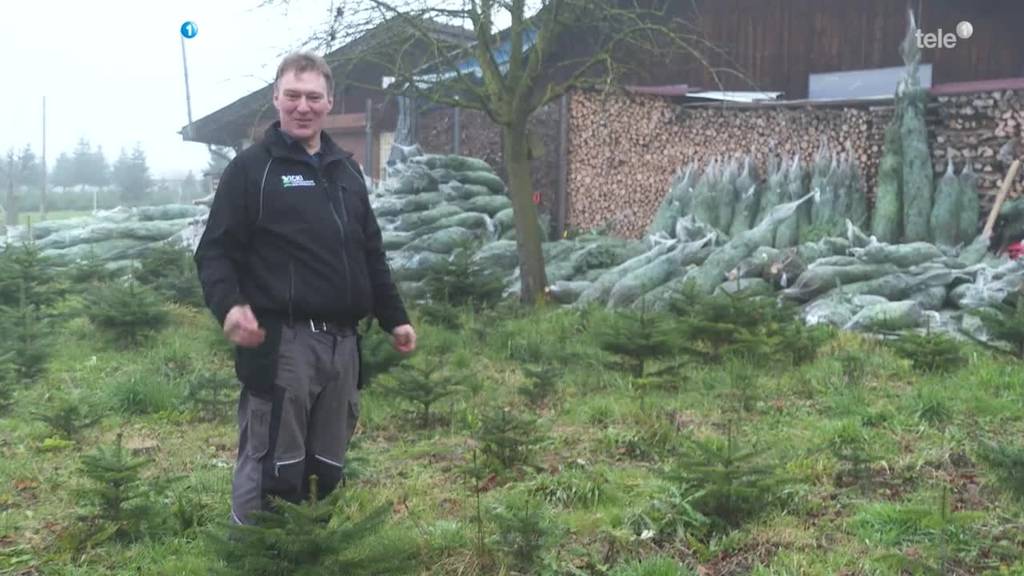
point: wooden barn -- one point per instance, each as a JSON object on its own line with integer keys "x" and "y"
{"x": 778, "y": 45}
{"x": 804, "y": 50}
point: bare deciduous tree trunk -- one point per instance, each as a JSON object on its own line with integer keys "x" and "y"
{"x": 531, "y": 257}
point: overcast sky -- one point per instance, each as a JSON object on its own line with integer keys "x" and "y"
{"x": 111, "y": 70}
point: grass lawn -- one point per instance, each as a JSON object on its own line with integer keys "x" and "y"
{"x": 850, "y": 463}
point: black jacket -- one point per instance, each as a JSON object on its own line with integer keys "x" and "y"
{"x": 295, "y": 240}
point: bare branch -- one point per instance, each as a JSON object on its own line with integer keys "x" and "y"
{"x": 542, "y": 63}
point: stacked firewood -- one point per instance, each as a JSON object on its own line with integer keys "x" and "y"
{"x": 623, "y": 151}
{"x": 977, "y": 128}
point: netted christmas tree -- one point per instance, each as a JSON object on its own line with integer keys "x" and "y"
{"x": 1005, "y": 322}
{"x": 887, "y": 217}
{"x": 970, "y": 204}
{"x": 792, "y": 188}
{"x": 918, "y": 175}
{"x": 823, "y": 205}
{"x": 857, "y": 198}
{"x": 945, "y": 220}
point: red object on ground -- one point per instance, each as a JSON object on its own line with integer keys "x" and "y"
{"x": 536, "y": 198}
{"x": 1015, "y": 250}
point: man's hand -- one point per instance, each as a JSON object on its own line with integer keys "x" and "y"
{"x": 403, "y": 338}
{"x": 242, "y": 328}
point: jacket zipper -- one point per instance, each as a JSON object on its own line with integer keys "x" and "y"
{"x": 291, "y": 290}
{"x": 341, "y": 231}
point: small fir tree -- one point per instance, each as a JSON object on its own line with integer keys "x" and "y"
{"x": 724, "y": 325}
{"x": 936, "y": 353}
{"x": 638, "y": 338}
{"x": 191, "y": 509}
{"x": 24, "y": 269}
{"x": 849, "y": 444}
{"x": 508, "y": 439}
{"x": 210, "y": 394}
{"x": 120, "y": 501}
{"x": 171, "y": 273}
{"x": 26, "y": 336}
{"x": 943, "y": 538}
{"x": 669, "y": 516}
{"x": 423, "y": 380}
{"x": 87, "y": 273}
{"x": 462, "y": 282}
{"x": 1006, "y": 323}
{"x": 440, "y": 314}
{"x": 66, "y": 416}
{"x": 741, "y": 385}
{"x": 7, "y": 380}
{"x": 1007, "y": 462}
{"x": 477, "y": 476}
{"x": 542, "y": 383}
{"x": 127, "y": 312}
{"x": 524, "y": 530}
{"x": 798, "y": 341}
{"x": 312, "y": 539}
{"x": 378, "y": 355}
{"x": 734, "y": 484}
{"x": 714, "y": 328}
{"x": 853, "y": 367}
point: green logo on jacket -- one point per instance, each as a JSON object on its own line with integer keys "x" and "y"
{"x": 296, "y": 180}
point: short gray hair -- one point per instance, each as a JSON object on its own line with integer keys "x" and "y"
{"x": 300, "y": 62}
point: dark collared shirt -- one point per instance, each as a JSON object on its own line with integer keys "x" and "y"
{"x": 313, "y": 159}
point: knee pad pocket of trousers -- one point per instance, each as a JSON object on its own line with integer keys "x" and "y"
{"x": 284, "y": 479}
{"x": 328, "y": 473}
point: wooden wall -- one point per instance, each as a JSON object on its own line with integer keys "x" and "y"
{"x": 776, "y": 44}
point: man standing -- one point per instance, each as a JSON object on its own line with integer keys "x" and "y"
{"x": 290, "y": 261}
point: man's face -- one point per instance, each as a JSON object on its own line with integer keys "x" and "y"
{"x": 302, "y": 103}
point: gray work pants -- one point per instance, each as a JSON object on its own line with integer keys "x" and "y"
{"x": 301, "y": 429}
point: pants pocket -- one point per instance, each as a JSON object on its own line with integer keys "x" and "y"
{"x": 258, "y": 427}
{"x": 256, "y": 368}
